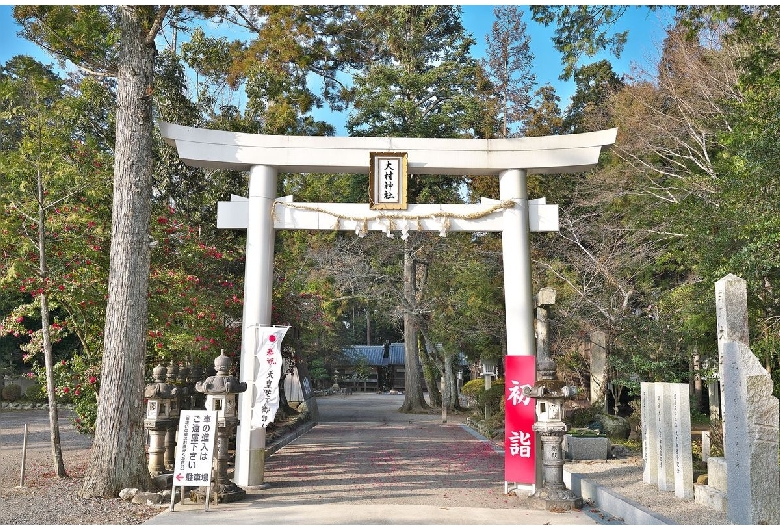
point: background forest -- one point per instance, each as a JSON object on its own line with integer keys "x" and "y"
{"x": 688, "y": 193}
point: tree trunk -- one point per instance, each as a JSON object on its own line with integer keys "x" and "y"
{"x": 368, "y": 328}
{"x": 698, "y": 397}
{"x": 48, "y": 360}
{"x": 448, "y": 398}
{"x": 431, "y": 369}
{"x": 414, "y": 401}
{"x": 54, "y": 420}
{"x": 431, "y": 375}
{"x": 455, "y": 396}
{"x": 117, "y": 459}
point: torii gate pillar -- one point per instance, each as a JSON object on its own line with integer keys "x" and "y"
{"x": 258, "y": 294}
{"x": 516, "y": 248}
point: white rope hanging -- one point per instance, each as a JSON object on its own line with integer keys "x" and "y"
{"x": 397, "y": 221}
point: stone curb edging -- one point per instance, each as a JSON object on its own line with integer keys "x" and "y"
{"x": 612, "y": 503}
{"x": 289, "y": 437}
{"x": 27, "y": 405}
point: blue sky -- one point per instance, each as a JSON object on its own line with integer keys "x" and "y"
{"x": 646, "y": 30}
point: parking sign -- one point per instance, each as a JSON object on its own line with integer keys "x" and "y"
{"x": 197, "y": 432}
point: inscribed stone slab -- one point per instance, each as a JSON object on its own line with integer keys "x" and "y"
{"x": 681, "y": 432}
{"x": 649, "y": 434}
{"x": 751, "y": 438}
{"x": 706, "y": 445}
{"x": 731, "y": 309}
{"x": 665, "y": 437}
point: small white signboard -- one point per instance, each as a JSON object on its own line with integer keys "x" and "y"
{"x": 387, "y": 181}
{"x": 195, "y": 449}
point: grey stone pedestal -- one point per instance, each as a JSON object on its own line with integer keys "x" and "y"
{"x": 586, "y": 447}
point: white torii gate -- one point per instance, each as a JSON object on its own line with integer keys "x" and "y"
{"x": 264, "y": 156}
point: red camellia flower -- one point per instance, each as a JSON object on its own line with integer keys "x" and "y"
{"x": 65, "y": 390}
{"x": 92, "y": 380}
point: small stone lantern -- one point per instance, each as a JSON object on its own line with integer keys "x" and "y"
{"x": 488, "y": 372}
{"x": 159, "y": 397}
{"x": 550, "y": 393}
{"x": 221, "y": 396}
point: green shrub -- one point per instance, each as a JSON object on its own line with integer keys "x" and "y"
{"x": 76, "y": 382}
{"x": 12, "y": 392}
{"x": 473, "y": 388}
{"x": 494, "y": 397}
{"x": 36, "y": 394}
{"x": 583, "y": 417}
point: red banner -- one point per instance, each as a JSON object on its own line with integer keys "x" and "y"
{"x": 519, "y": 450}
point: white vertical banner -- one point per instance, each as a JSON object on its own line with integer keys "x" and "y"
{"x": 269, "y": 363}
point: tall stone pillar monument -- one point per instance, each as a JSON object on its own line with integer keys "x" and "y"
{"x": 751, "y": 414}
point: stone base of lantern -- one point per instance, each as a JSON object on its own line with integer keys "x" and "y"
{"x": 557, "y": 500}
{"x": 554, "y": 496}
{"x": 156, "y": 450}
{"x": 227, "y": 492}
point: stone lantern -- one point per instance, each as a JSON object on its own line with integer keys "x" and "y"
{"x": 489, "y": 371}
{"x": 197, "y": 401}
{"x": 159, "y": 397}
{"x": 221, "y": 392}
{"x": 184, "y": 387}
{"x": 550, "y": 393}
{"x": 173, "y": 413}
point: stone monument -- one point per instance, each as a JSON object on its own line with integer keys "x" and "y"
{"x": 598, "y": 367}
{"x": 666, "y": 438}
{"x": 750, "y": 414}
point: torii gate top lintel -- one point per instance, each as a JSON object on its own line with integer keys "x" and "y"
{"x": 214, "y": 149}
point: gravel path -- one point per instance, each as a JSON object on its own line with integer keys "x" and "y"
{"x": 416, "y": 462}
{"x": 624, "y": 477}
{"x": 421, "y": 462}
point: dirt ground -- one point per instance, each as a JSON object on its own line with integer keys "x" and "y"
{"x": 39, "y": 460}
{"x": 42, "y": 498}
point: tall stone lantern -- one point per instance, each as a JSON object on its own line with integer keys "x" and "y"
{"x": 221, "y": 392}
{"x": 160, "y": 398}
{"x": 172, "y": 376}
{"x": 550, "y": 393}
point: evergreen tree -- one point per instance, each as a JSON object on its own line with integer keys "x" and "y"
{"x": 419, "y": 81}
{"x": 508, "y": 64}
